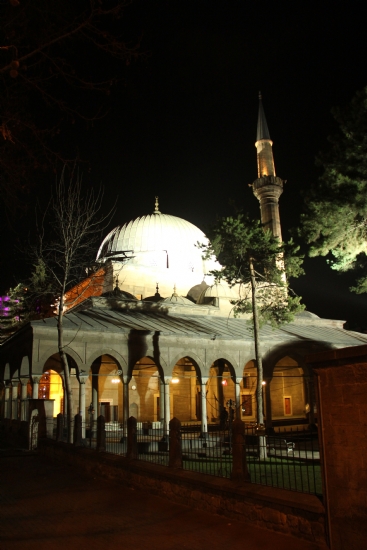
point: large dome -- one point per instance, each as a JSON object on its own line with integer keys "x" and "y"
{"x": 157, "y": 249}
{"x": 158, "y": 233}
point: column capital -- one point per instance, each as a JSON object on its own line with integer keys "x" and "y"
{"x": 24, "y": 381}
{"x": 126, "y": 378}
{"x": 83, "y": 378}
{"x": 36, "y": 378}
{"x": 239, "y": 379}
{"x": 204, "y": 380}
{"x": 167, "y": 379}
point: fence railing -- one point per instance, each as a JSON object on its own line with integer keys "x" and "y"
{"x": 291, "y": 459}
{"x": 287, "y": 458}
{"x": 208, "y": 453}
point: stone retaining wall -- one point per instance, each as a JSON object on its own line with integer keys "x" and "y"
{"x": 296, "y": 514}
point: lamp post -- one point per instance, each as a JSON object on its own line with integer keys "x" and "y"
{"x": 91, "y": 413}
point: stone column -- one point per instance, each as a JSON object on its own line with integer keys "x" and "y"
{"x": 126, "y": 406}
{"x": 36, "y": 381}
{"x": 193, "y": 394}
{"x": 167, "y": 407}
{"x": 7, "y": 404}
{"x": 95, "y": 394}
{"x": 238, "y": 398}
{"x": 23, "y": 405}
{"x": 161, "y": 402}
{"x": 14, "y": 400}
{"x": 82, "y": 381}
{"x": 204, "y": 416}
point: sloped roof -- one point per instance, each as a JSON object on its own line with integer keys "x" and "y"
{"x": 196, "y": 326}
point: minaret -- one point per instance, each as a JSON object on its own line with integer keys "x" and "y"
{"x": 268, "y": 187}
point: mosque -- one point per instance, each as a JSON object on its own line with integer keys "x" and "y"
{"x": 151, "y": 335}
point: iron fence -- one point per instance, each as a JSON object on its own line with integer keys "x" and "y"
{"x": 288, "y": 458}
{"x": 152, "y": 443}
{"x": 207, "y": 453}
{"x": 115, "y": 438}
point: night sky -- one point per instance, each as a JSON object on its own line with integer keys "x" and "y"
{"x": 183, "y": 125}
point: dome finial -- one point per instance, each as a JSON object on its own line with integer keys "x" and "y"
{"x": 156, "y": 207}
{"x": 157, "y": 295}
{"x": 174, "y": 292}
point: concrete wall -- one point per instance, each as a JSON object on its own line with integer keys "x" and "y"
{"x": 342, "y": 402}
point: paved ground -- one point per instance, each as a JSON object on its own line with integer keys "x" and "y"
{"x": 46, "y": 505}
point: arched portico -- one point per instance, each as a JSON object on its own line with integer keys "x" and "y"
{"x": 221, "y": 389}
{"x": 248, "y": 392}
{"x": 103, "y": 388}
{"x": 287, "y": 393}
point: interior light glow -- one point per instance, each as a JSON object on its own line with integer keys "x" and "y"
{"x": 175, "y": 380}
{"x": 224, "y": 383}
{"x": 115, "y": 380}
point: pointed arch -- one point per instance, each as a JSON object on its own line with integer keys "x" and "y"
{"x": 24, "y": 371}
{"x": 115, "y": 355}
{"x": 193, "y": 357}
{"x": 54, "y": 351}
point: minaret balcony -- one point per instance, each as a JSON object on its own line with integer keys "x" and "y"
{"x": 268, "y": 181}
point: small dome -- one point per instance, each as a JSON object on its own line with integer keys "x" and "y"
{"x": 180, "y": 300}
{"x": 195, "y": 292}
{"x": 119, "y": 294}
{"x": 218, "y": 290}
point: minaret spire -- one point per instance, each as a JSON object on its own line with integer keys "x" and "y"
{"x": 262, "y": 126}
{"x": 268, "y": 187}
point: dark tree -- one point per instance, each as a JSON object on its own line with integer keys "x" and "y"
{"x": 335, "y": 220}
{"x": 58, "y": 62}
{"x": 255, "y": 262}
{"x": 68, "y": 237}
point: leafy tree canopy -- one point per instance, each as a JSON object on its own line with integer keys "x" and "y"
{"x": 244, "y": 250}
{"x": 335, "y": 220}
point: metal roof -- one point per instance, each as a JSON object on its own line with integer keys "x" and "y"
{"x": 196, "y": 326}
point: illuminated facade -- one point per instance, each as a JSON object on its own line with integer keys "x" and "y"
{"x": 150, "y": 334}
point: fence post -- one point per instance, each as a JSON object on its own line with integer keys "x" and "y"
{"x": 239, "y": 465}
{"x": 175, "y": 448}
{"x": 33, "y": 430}
{"x": 101, "y": 434}
{"x": 77, "y": 441}
{"x": 60, "y": 427}
{"x": 132, "y": 444}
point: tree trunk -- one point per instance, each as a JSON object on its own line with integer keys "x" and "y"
{"x": 259, "y": 363}
{"x": 65, "y": 364}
